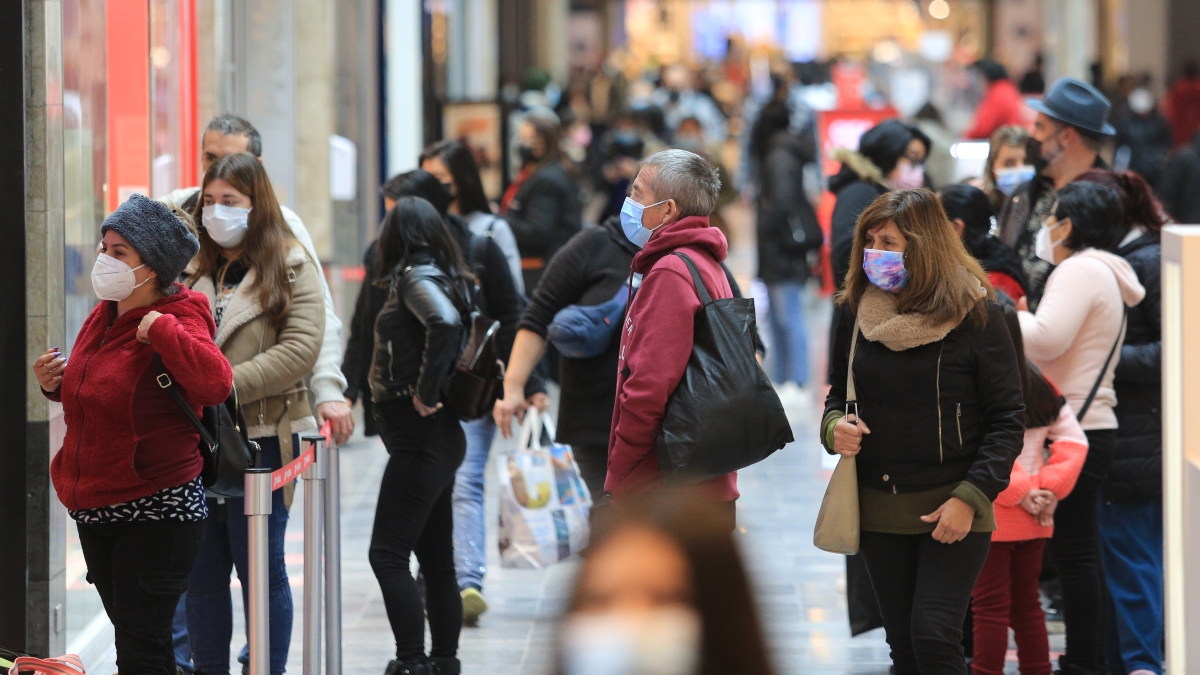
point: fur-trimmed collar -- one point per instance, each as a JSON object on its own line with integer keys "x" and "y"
{"x": 859, "y": 164}
{"x": 880, "y": 322}
{"x": 244, "y": 306}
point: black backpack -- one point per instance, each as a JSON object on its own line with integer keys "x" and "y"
{"x": 724, "y": 415}
{"x": 226, "y": 448}
{"x": 478, "y": 376}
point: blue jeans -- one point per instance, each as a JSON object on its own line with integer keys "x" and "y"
{"x": 209, "y": 605}
{"x": 789, "y": 346}
{"x": 179, "y": 637}
{"x": 470, "y": 532}
{"x": 1131, "y": 548}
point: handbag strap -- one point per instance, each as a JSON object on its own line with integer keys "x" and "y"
{"x": 165, "y": 383}
{"x": 1107, "y": 362}
{"x": 701, "y": 289}
{"x": 851, "y": 393}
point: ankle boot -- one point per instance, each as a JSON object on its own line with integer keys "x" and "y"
{"x": 409, "y": 667}
{"x": 444, "y": 666}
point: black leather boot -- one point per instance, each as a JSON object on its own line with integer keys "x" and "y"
{"x": 444, "y": 666}
{"x": 411, "y": 667}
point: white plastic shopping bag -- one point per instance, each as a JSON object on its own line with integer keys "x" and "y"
{"x": 544, "y": 502}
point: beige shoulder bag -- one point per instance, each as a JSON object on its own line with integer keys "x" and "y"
{"x": 837, "y": 522}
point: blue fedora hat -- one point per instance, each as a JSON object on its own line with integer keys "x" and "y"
{"x": 1076, "y": 103}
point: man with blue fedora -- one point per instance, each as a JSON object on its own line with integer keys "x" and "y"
{"x": 1072, "y": 122}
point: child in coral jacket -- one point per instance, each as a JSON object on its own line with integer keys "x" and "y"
{"x": 1006, "y": 593}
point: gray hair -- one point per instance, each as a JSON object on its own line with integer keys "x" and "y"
{"x": 685, "y": 177}
{"x": 228, "y": 124}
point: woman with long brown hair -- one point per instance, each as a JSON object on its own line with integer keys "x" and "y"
{"x": 936, "y": 425}
{"x": 663, "y": 591}
{"x": 267, "y": 301}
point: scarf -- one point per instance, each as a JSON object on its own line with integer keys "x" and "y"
{"x": 881, "y": 322}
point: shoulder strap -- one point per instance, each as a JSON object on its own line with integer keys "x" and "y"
{"x": 851, "y": 392}
{"x": 701, "y": 289}
{"x": 164, "y": 381}
{"x": 1107, "y": 362}
{"x": 478, "y": 248}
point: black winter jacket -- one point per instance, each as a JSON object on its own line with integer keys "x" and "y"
{"x": 587, "y": 271}
{"x": 356, "y": 363}
{"x": 1136, "y": 471}
{"x": 854, "y": 195}
{"x": 418, "y": 333}
{"x": 940, "y": 413}
{"x": 544, "y": 214}
{"x": 786, "y": 223}
{"x": 1179, "y": 184}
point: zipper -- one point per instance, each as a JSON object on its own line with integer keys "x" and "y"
{"x": 958, "y": 420}
{"x": 83, "y": 414}
{"x": 941, "y": 445}
{"x": 391, "y": 362}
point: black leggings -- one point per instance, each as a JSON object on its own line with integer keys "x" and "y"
{"x": 140, "y": 570}
{"x": 593, "y": 467}
{"x": 923, "y": 588}
{"x": 413, "y": 515}
{"x": 1075, "y": 548}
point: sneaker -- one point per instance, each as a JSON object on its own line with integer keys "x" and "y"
{"x": 473, "y": 606}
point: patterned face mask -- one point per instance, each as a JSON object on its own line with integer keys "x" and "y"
{"x": 885, "y": 269}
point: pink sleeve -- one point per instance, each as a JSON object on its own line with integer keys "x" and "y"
{"x": 1019, "y": 485}
{"x": 1068, "y": 450}
{"x": 188, "y": 352}
{"x": 656, "y": 354}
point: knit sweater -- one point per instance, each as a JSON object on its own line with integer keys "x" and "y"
{"x": 1033, "y": 471}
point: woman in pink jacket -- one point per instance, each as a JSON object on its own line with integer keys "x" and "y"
{"x": 1075, "y": 338}
{"x": 1006, "y": 593}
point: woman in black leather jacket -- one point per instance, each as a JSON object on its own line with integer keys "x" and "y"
{"x": 418, "y": 337}
{"x": 939, "y": 394}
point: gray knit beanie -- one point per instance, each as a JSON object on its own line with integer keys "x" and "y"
{"x": 165, "y": 244}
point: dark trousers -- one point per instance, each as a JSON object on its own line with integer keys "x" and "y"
{"x": 414, "y": 515}
{"x": 140, "y": 570}
{"x": 1006, "y": 595}
{"x": 1075, "y": 548}
{"x": 593, "y": 467}
{"x": 923, "y": 588}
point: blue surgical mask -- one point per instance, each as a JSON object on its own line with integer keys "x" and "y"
{"x": 631, "y": 222}
{"x": 1008, "y": 180}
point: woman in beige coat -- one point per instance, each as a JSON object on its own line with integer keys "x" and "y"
{"x": 266, "y": 299}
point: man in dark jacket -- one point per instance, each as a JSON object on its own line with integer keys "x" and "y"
{"x": 1071, "y": 120}
{"x": 667, "y": 212}
{"x": 1179, "y": 187}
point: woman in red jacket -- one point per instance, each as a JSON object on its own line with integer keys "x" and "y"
{"x": 129, "y": 469}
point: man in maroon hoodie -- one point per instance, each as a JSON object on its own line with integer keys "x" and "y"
{"x": 666, "y": 212}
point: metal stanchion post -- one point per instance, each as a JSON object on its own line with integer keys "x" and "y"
{"x": 333, "y": 563}
{"x": 314, "y": 483}
{"x": 258, "y": 513}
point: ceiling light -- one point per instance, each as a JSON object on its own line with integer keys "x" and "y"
{"x": 939, "y": 9}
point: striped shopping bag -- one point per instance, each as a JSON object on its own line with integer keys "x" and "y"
{"x": 59, "y": 665}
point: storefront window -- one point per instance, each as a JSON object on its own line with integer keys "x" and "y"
{"x": 85, "y": 185}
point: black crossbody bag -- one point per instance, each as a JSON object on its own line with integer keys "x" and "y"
{"x": 226, "y": 448}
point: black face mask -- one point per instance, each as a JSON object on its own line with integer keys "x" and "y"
{"x": 449, "y": 188}
{"x": 1033, "y": 150}
{"x": 527, "y": 153}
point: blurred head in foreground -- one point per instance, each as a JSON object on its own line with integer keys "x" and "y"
{"x": 662, "y": 592}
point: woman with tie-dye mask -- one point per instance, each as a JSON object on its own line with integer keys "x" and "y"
{"x": 935, "y": 425}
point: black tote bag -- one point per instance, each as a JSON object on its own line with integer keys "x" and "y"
{"x": 724, "y": 415}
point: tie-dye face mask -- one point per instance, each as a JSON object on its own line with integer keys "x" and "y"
{"x": 885, "y": 269}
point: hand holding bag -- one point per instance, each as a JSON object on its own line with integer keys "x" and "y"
{"x": 837, "y": 529}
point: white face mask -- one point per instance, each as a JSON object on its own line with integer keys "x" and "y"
{"x": 1043, "y": 245}
{"x": 227, "y": 225}
{"x": 113, "y": 279}
{"x": 661, "y": 642}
